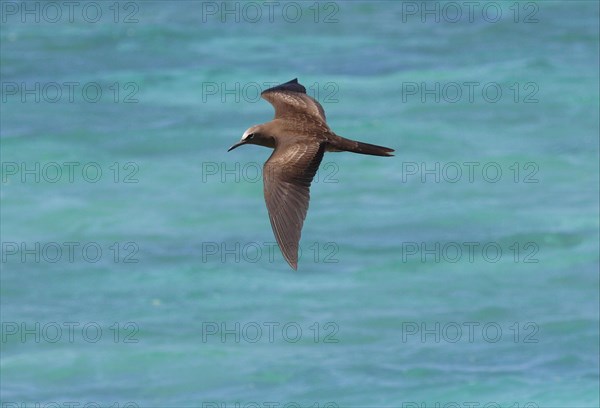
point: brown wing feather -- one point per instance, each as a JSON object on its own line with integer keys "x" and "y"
{"x": 287, "y": 176}
{"x": 290, "y": 101}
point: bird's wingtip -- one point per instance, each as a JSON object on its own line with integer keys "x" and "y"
{"x": 291, "y": 86}
{"x": 293, "y": 263}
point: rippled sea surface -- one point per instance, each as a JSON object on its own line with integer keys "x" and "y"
{"x": 138, "y": 264}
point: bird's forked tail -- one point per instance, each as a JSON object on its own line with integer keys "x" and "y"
{"x": 347, "y": 145}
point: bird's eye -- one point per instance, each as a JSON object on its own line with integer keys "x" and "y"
{"x": 250, "y": 136}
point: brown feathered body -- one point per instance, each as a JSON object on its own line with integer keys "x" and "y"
{"x": 300, "y": 136}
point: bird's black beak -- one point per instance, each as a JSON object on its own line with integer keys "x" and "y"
{"x": 238, "y": 144}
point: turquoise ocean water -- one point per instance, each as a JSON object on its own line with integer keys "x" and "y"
{"x": 138, "y": 266}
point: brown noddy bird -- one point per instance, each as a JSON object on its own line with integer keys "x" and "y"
{"x": 300, "y": 136}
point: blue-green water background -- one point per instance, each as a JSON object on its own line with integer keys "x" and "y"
{"x": 374, "y": 291}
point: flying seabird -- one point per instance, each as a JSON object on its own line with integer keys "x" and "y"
{"x": 300, "y": 136}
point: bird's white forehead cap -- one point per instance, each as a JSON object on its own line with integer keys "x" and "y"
{"x": 247, "y": 132}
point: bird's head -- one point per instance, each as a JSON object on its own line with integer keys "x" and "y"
{"x": 257, "y": 135}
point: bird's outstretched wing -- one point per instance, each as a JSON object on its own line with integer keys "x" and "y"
{"x": 287, "y": 176}
{"x": 291, "y": 102}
